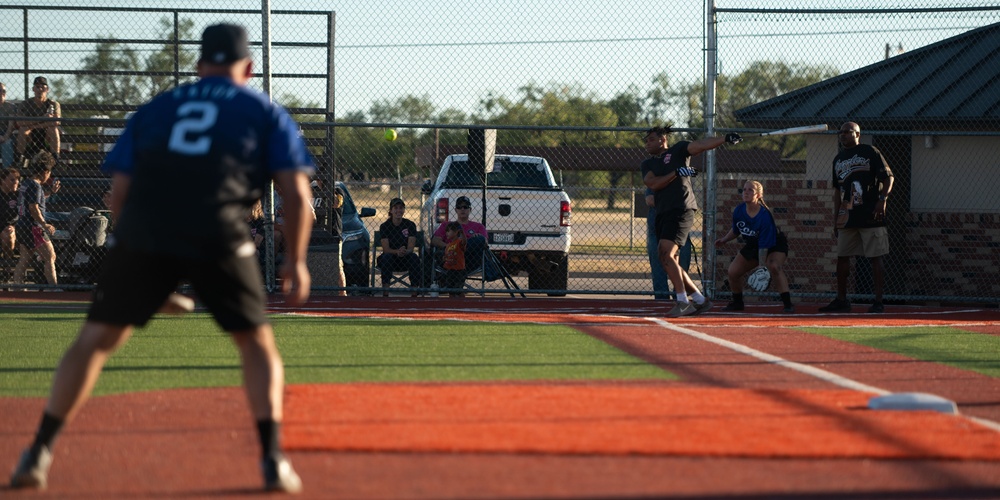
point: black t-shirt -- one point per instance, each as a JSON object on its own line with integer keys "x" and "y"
{"x": 397, "y": 235}
{"x": 8, "y": 208}
{"x": 678, "y": 195}
{"x": 857, "y": 172}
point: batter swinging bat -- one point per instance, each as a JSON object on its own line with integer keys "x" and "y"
{"x": 808, "y": 129}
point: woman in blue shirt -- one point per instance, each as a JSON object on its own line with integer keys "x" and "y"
{"x": 763, "y": 242}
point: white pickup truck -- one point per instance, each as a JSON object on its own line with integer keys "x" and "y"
{"x": 527, "y": 214}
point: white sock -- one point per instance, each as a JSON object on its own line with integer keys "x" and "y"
{"x": 682, "y": 297}
{"x": 698, "y": 298}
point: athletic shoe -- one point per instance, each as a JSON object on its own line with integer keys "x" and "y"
{"x": 733, "y": 306}
{"x": 33, "y": 469}
{"x": 789, "y": 309}
{"x": 837, "y": 306}
{"x": 702, "y": 308}
{"x": 681, "y": 309}
{"x": 876, "y": 308}
{"x": 280, "y": 476}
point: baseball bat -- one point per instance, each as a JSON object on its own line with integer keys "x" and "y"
{"x": 808, "y": 129}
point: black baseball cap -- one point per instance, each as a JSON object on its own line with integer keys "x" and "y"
{"x": 396, "y": 201}
{"x": 224, "y": 44}
{"x": 463, "y": 201}
{"x": 41, "y": 80}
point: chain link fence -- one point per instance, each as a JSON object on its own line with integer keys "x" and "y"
{"x": 576, "y": 87}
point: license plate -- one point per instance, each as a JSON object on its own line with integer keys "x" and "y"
{"x": 503, "y": 237}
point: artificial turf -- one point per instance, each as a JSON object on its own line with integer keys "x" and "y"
{"x": 192, "y": 352}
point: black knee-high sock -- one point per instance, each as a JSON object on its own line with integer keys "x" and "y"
{"x": 738, "y": 298}
{"x": 786, "y": 297}
{"x": 268, "y": 431}
{"x": 48, "y": 430}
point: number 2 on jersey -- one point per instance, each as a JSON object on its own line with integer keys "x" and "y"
{"x": 188, "y": 134}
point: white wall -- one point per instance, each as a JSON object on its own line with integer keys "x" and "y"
{"x": 958, "y": 175}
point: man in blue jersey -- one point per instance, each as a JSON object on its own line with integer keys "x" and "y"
{"x": 219, "y": 144}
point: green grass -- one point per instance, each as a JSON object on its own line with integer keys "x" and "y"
{"x": 192, "y": 352}
{"x": 946, "y": 345}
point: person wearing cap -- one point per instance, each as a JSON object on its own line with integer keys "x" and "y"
{"x": 399, "y": 238}
{"x": 475, "y": 235}
{"x": 33, "y": 136}
{"x": 222, "y": 143}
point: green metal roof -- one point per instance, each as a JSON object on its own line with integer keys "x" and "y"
{"x": 953, "y": 84}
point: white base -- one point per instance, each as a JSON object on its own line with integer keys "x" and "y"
{"x": 913, "y": 401}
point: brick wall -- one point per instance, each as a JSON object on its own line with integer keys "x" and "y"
{"x": 946, "y": 255}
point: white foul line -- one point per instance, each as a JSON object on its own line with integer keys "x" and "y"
{"x": 821, "y": 374}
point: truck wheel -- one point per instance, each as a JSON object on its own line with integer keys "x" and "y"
{"x": 559, "y": 279}
{"x": 556, "y": 279}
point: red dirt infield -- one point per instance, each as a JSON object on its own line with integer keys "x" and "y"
{"x": 734, "y": 427}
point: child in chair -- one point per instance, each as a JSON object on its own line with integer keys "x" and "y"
{"x": 454, "y": 259}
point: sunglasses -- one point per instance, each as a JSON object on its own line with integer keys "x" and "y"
{"x": 464, "y": 207}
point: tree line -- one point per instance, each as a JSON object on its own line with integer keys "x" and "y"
{"x": 662, "y": 100}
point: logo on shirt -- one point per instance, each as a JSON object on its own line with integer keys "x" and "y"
{"x": 666, "y": 158}
{"x": 845, "y": 168}
{"x": 745, "y": 229}
{"x": 406, "y": 232}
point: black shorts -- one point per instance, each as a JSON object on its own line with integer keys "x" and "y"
{"x": 133, "y": 286}
{"x": 32, "y": 236}
{"x": 675, "y": 225}
{"x": 749, "y": 252}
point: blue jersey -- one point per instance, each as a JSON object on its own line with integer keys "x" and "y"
{"x": 198, "y": 157}
{"x": 759, "y": 231}
{"x": 29, "y": 193}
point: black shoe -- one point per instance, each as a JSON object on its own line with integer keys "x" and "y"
{"x": 837, "y": 306}
{"x": 789, "y": 309}
{"x": 733, "y": 306}
{"x": 876, "y": 308}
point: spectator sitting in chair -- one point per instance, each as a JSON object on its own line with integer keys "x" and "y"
{"x": 33, "y": 136}
{"x": 474, "y": 232}
{"x": 9, "y": 181}
{"x": 399, "y": 237}
{"x": 7, "y": 109}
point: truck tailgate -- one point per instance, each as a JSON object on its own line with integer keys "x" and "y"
{"x": 524, "y": 211}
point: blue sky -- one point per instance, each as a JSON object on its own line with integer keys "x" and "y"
{"x": 456, "y": 52}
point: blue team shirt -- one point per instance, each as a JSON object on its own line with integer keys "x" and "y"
{"x": 198, "y": 157}
{"x": 760, "y": 229}
{"x": 30, "y": 192}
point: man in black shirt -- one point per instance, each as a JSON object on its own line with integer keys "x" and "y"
{"x": 862, "y": 182}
